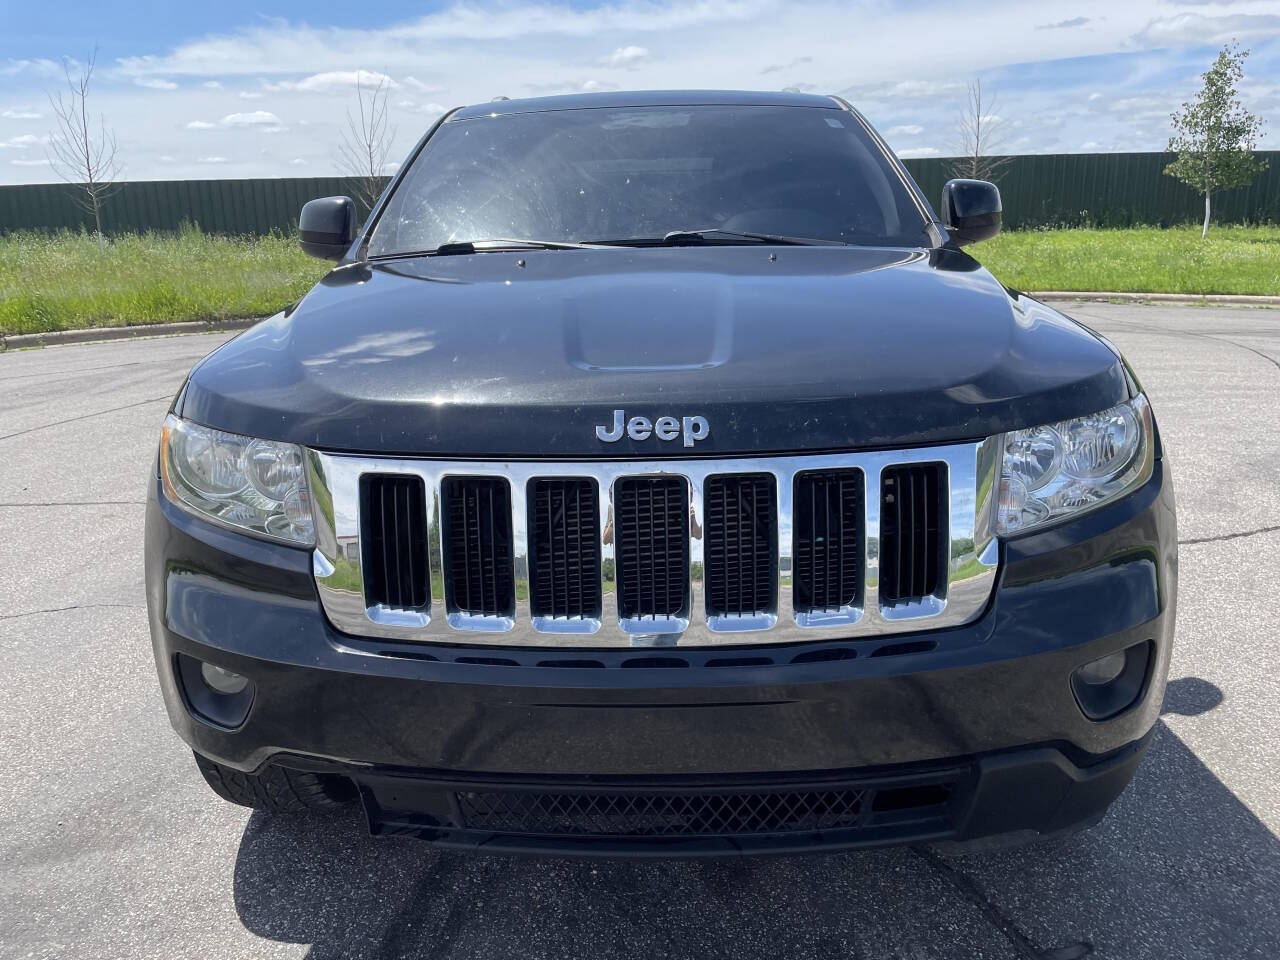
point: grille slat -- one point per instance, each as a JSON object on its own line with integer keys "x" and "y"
{"x": 478, "y": 559}
{"x": 393, "y": 527}
{"x": 652, "y": 542}
{"x": 912, "y": 536}
{"x": 741, "y": 544}
{"x": 827, "y": 540}
{"x": 564, "y": 524}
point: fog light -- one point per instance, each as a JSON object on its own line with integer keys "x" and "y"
{"x": 223, "y": 681}
{"x": 1100, "y": 671}
{"x": 1108, "y": 686}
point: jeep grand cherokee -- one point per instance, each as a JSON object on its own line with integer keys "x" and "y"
{"x": 655, "y": 474}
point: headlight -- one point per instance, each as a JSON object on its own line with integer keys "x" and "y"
{"x": 257, "y": 485}
{"x": 1063, "y": 468}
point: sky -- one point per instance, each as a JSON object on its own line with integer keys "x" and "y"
{"x": 236, "y": 89}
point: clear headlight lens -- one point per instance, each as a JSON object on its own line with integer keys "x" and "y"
{"x": 1062, "y": 468}
{"x": 258, "y": 485}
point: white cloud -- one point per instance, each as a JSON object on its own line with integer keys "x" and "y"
{"x": 625, "y": 56}
{"x": 254, "y": 119}
{"x": 211, "y": 85}
{"x": 201, "y": 125}
{"x": 165, "y": 158}
{"x": 1197, "y": 28}
{"x": 1090, "y": 145}
{"x": 155, "y": 83}
{"x": 297, "y": 162}
{"x": 20, "y": 115}
{"x": 335, "y": 80}
{"x": 211, "y": 159}
{"x": 904, "y": 130}
{"x": 911, "y": 152}
{"x": 30, "y": 163}
{"x": 418, "y": 85}
{"x": 249, "y": 95}
{"x": 1094, "y": 96}
{"x": 24, "y": 141}
{"x": 41, "y": 66}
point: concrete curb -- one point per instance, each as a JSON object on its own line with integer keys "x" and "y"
{"x": 1202, "y": 300}
{"x": 96, "y": 334}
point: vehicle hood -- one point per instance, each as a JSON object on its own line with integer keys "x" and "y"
{"x": 779, "y": 348}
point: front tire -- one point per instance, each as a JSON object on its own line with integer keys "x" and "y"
{"x": 276, "y": 789}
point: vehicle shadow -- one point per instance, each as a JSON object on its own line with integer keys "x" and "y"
{"x": 1179, "y": 868}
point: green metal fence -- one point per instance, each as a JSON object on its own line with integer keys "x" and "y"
{"x": 1101, "y": 189}
{"x": 1109, "y": 190}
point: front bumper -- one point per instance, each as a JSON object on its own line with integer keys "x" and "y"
{"x": 985, "y": 710}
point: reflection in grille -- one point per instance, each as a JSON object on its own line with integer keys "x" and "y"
{"x": 652, "y": 518}
{"x": 827, "y": 531}
{"x": 564, "y": 568}
{"x": 662, "y": 814}
{"x": 477, "y": 546}
{"x": 911, "y": 532}
{"x": 741, "y": 544}
{"x": 394, "y": 524}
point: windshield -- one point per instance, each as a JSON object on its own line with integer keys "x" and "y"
{"x": 614, "y": 174}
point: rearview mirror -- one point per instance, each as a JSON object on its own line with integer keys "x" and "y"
{"x": 971, "y": 210}
{"x": 327, "y": 227}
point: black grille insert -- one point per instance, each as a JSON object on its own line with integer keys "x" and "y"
{"x": 663, "y": 814}
{"x": 564, "y": 568}
{"x": 913, "y": 532}
{"x": 478, "y": 557}
{"x": 393, "y": 525}
{"x": 652, "y": 540}
{"x": 827, "y": 540}
{"x": 741, "y": 544}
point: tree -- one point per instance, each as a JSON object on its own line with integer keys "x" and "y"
{"x": 1214, "y": 135}
{"x": 81, "y": 155}
{"x": 367, "y": 140}
{"x": 979, "y": 136}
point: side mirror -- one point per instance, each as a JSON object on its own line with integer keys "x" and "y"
{"x": 971, "y": 210}
{"x": 327, "y": 227}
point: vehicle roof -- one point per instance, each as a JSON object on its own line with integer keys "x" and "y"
{"x": 644, "y": 98}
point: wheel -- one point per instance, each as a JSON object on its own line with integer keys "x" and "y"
{"x": 276, "y": 789}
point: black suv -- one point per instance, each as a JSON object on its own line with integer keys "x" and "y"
{"x": 655, "y": 474}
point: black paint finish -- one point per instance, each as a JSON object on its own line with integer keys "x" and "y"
{"x": 819, "y": 349}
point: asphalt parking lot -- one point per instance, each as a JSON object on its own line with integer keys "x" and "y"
{"x": 112, "y": 846}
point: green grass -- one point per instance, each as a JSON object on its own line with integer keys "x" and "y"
{"x": 62, "y": 282}
{"x": 1140, "y": 260}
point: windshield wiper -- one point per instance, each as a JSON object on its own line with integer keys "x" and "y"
{"x": 462, "y": 247}
{"x": 676, "y": 238}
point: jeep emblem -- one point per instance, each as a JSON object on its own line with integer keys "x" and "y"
{"x": 692, "y": 429}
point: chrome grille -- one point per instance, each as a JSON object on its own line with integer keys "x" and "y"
{"x": 828, "y": 541}
{"x": 564, "y": 554}
{"x": 670, "y": 552}
{"x": 741, "y": 545}
{"x": 652, "y": 546}
{"x": 477, "y": 546}
{"x": 911, "y": 531}
{"x": 394, "y": 514}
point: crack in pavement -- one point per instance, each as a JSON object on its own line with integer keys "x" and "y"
{"x": 1229, "y": 536}
{"x": 970, "y": 890}
{"x": 96, "y": 413}
{"x": 1130, "y": 326}
{"x": 74, "y": 606}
